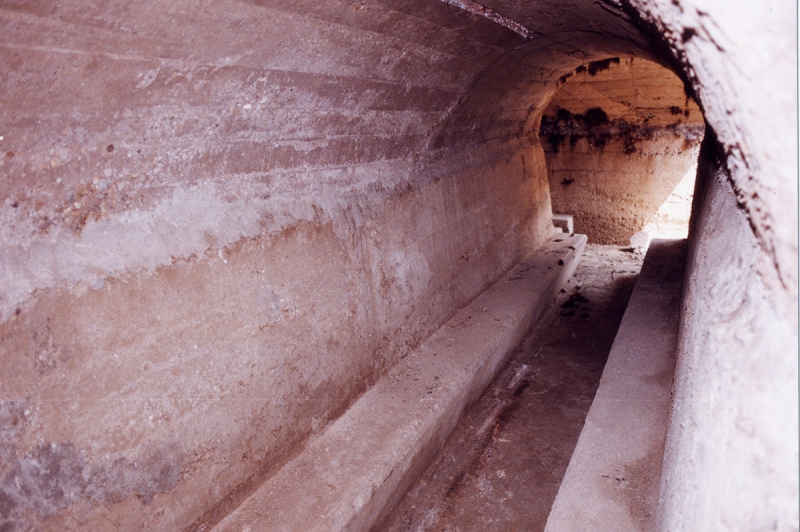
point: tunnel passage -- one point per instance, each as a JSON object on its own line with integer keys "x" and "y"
{"x": 222, "y": 222}
{"x": 621, "y": 140}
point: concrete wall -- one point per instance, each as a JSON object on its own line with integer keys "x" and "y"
{"x": 619, "y": 137}
{"x": 220, "y": 222}
{"x": 732, "y": 456}
{"x": 733, "y": 444}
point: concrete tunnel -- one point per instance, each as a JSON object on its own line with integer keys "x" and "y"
{"x": 223, "y": 222}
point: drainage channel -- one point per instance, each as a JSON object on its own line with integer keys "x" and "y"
{"x": 502, "y": 467}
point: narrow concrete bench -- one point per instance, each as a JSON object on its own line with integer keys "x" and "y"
{"x": 353, "y": 473}
{"x": 612, "y": 480}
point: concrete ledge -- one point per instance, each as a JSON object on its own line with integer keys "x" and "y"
{"x": 348, "y": 477}
{"x": 612, "y": 480}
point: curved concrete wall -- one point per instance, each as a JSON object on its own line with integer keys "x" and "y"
{"x": 732, "y": 444}
{"x": 222, "y": 221}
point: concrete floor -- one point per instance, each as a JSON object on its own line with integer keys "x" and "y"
{"x": 502, "y": 467}
{"x": 612, "y": 482}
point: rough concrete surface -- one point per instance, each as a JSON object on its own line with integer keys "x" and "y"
{"x": 348, "y": 478}
{"x": 716, "y": 421}
{"x": 222, "y": 222}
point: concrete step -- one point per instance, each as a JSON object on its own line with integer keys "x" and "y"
{"x": 351, "y": 475}
{"x": 612, "y": 480}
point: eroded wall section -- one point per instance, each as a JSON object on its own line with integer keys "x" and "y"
{"x": 619, "y": 137}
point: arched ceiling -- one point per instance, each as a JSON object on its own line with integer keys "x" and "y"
{"x": 239, "y": 93}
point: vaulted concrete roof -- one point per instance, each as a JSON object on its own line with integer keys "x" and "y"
{"x": 248, "y": 211}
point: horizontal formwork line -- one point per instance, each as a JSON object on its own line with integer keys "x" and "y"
{"x": 178, "y": 63}
{"x": 80, "y": 30}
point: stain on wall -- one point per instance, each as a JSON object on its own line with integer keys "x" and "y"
{"x": 39, "y": 482}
